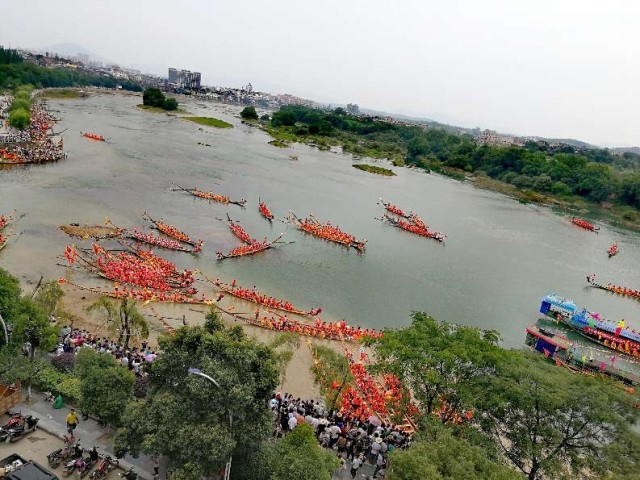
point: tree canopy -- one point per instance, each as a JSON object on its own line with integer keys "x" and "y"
{"x": 249, "y": 113}
{"x": 154, "y": 97}
{"x": 187, "y": 410}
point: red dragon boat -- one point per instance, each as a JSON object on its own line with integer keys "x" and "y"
{"x": 250, "y": 249}
{"x": 264, "y": 210}
{"x": 584, "y": 224}
{"x": 415, "y": 229}
{"x": 150, "y": 239}
{"x": 212, "y": 196}
{"x": 328, "y": 232}
{"x": 5, "y": 238}
{"x": 94, "y": 136}
{"x": 240, "y": 232}
{"x": 173, "y": 232}
{"x": 6, "y": 220}
{"x": 617, "y": 289}
{"x": 395, "y": 210}
{"x": 613, "y": 250}
{"x": 252, "y": 295}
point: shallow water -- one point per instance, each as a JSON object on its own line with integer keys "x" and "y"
{"x": 499, "y": 259}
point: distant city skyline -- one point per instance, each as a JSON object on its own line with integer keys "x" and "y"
{"x": 551, "y": 69}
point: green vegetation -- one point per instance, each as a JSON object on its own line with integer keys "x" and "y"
{"x": 153, "y": 97}
{"x": 187, "y": 418}
{"x": 20, "y": 108}
{"x": 561, "y": 172}
{"x": 374, "y": 169}
{"x": 249, "y": 113}
{"x": 59, "y": 93}
{"x": 14, "y": 72}
{"x": 122, "y": 317}
{"x": 542, "y": 420}
{"x": 209, "y": 122}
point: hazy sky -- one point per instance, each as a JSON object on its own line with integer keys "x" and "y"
{"x": 555, "y": 68}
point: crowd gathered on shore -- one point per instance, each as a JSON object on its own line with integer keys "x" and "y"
{"x": 355, "y": 441}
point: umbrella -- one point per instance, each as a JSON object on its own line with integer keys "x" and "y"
{"x": 375, "y": 420}
{"x": 150, "y": 358}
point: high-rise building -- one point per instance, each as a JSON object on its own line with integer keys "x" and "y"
{"x": 184, "y": 79}
{"x": 353, "y": 108}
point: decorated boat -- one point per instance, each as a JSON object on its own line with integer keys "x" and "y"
{"x": 240, "y": 232}
{"x": 172, "y": 231}
{"x": 613, "y": 250}
{"x": 327, "y": 231}
{"x": 613, "y": 335}
{"x": 413, "y": 228}
{"x": 93, "y": 136}
{"x": 252, "y": 295}
{"x": 250, "y": 249}
{"x": 584, "y": 224}
{"x": 212, "y": 196}
{"x": 394, "y": 209}
{"x": 563, "y": 352}
{"x": 264, "y": 210}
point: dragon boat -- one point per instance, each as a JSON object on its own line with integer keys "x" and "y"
{"x": 584, "y": 224}
{"x": 6, "y": 219}
{"x": 613, "y": 250}
{"x": 613, "y": 335}
{"x": 5, "y": 238}
{"x": 261, "y": 299}
{"x": 150, "y": 239}
{"x": 264, "y": 210}
{"x": 93, "y": 136}
{"x": 173, "y": 232}
{"x": 328, "y": 232}
{"x": 240, "y": 232}
{"x": 389, "y": 207}
{"x": 617, "y": 289}
{"x": 413, "y": 228}
{"x": 250, "y": 249}
{"x": 212, "y": 196}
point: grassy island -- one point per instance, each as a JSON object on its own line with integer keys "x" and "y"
{"x": 149, "y": 108}
{"x": 279, "y": 143}
{"x": 374, "y": 169}
{"x": 59, "y": 93}
{"x": 587, "y": 181}
{"x": 209, "y": 122}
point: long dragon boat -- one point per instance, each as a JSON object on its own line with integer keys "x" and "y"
{"x": 173, "y": 232}
{"x": 261, "y": 299}
{"x": 612, "y": 335}
{"x": 328, "y": 232}
{"x": 240, "y": 232}
{"x": 251, "y": 249}
{"x": 212, "y": 196}
{"x": 150, "y": 239}
{"x": 6, "y": 220}
{"x": 394, "y": 209}
{"x": 412, "y": 228}
{"x": 143, "y": 295}
{"x": 264, "y": 210}
{"x": 584, "y": 224}
{"x": 617, "y": 289}
{"x": 93, "y": 136}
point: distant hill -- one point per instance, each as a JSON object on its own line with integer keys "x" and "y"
{"x": 72, "y": 50}
{"x": 635, "y": 150}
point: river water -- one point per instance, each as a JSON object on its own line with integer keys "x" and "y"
{"x": 499, "y": 259}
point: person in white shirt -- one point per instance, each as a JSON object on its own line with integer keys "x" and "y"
{"x": 292, "y": 421}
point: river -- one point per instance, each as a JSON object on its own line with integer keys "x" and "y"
{"x": 499, "y": 259}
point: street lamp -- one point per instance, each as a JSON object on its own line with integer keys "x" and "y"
{"x": 197, "y": 371}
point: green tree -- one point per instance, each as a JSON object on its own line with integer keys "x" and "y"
{"x": 123, "y": 317}
{"x": 19, "y": 103}
{"x": 19, "y": 119}
{"x": 48, "y": 297}
{"x": 551, "y": 423}
{"x": 153, "y": 97}
{"x": 105, "y": 388}
{"x": 249, "y": 113}
{"x": 194, "y": 423}
{"x": 170, "y": 103}
{"x": 299, "y": 456}
{"x": 438, "y": 455}
{"x": 438, "y": 361}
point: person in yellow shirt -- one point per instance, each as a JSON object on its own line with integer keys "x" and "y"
{"x": 72, "y": 421}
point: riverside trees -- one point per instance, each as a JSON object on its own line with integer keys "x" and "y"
{"x": 540, "y": 419}
{"x": 191, "y": 421}
{"x": 153, "y": 97}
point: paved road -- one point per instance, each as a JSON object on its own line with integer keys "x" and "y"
{"x": 89, "y": 432}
